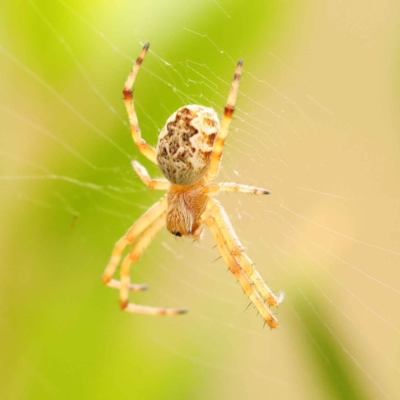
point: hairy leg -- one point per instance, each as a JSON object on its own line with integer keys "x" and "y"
{"x": 225, "y": 123}
{"x": 237, "y": 250}
{"x": 239, "y": 273}
{"x": 147, "y": 150}
{"x": 133, "y": 232}
{"x": 214, "y": 188}
{"x": 137, "y": 250}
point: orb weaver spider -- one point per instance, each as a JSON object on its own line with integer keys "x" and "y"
{"x": 188, "y": 153}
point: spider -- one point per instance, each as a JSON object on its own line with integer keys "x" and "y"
{"x": 188, "y": 153}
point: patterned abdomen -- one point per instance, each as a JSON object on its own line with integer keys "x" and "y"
{"x": 186, "y": 142}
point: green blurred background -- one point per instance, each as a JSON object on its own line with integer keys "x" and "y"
{"x": 317, "y": 123}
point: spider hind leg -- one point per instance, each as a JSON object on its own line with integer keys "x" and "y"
{"x": 134, "y": 254}
{"x": 133, "y": 232}
{"x": 237, "y": 250}
{"x": 239, "y": 264}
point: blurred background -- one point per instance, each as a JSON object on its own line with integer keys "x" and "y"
{"x": 317, "y": 123}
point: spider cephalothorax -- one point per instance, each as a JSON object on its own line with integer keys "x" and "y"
{"x": 186, "y": 204}
{"x": 188, "y": 153}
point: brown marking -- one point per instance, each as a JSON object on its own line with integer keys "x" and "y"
{"x": 106, "y": 278}
{"x": 170, "y": 129}
{"x": 236, "y": 77}
{"x": 181, "y": 156}
{"x": 185, "y": 111}
{"x": 127, "y": 93}
{"x": 140, "y": 59}
{"x": 229, "y": 109}
{"x": 211, "y": 138}
{"x": 273, "y": 323}
{"x": 237, "y": 251}
{"x": 179, "y": 130}
{"x": 173, "y": 147}
{"x": 123, "y": 303}
{"x": 205, "y": 155}
{"x": 209, "y": 121}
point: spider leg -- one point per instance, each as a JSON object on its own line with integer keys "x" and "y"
{"x": 159, "y": 184}
{"x": 237, "y": 251}
{"x": 238, "y": 272}
{"x": 226, "y": 121}
{"x": 134, "y": 287}
{"x": 214, "y": 188}
{"x": 142, "y": 145}
{"x": 134, "y": 254}
{"x": 133, "y": 232}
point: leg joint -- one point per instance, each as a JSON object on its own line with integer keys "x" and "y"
{"x": 229, "y": 109}
{"x": 127, "y": 93}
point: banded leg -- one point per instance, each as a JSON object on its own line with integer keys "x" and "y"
{"x": 136, "y": 251}
{"x": 226, "y": 121}
{"x": 158, "y": 184}
{"x": 133, "y": 232}
{"x": 214, "y": 188}
{"x": 237, "y": 251}
{"x": 239, "y": 273}
{"x": 142, "y": 145}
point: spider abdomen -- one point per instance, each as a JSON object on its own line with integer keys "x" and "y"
{"x": 186, "y": 142}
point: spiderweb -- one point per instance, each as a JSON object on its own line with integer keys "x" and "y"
{"x": 315, "y": 124}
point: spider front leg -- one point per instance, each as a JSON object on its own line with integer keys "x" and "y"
{"x": 226, "y": 121}
{"x": 133, "y": 232}
{"x": 142, "y": 145}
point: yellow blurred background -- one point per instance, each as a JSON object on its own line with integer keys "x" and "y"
{"x": 317, "y": 123}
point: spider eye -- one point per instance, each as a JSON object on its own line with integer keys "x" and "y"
{"x": 176, "y": 233}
